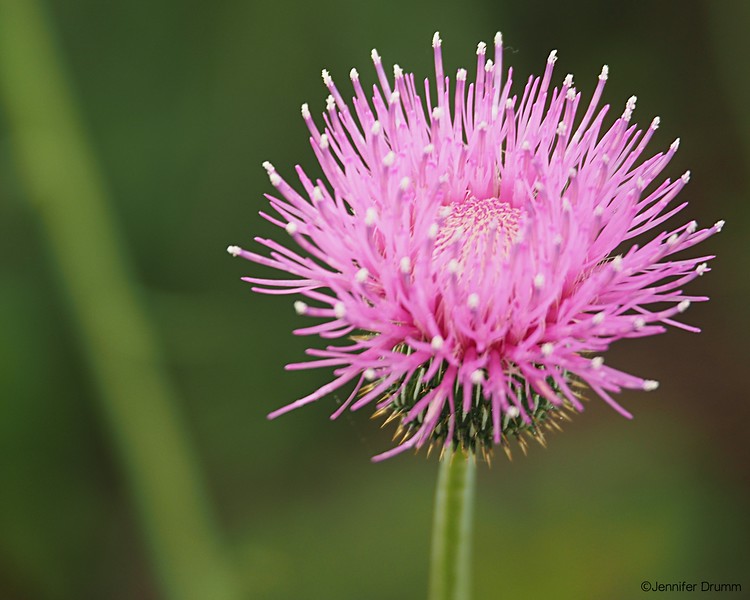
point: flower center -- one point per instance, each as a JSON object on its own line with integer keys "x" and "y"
{"x": 477, "y": 232}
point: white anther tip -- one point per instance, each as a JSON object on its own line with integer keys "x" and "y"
{"x": 655, "y": 123}
{"x": 300, "y": 307}
{"x": 568, "y": 81}
{"x": 552, "y": 57}
{"x": 461, "y": 75}
{"x": 649, "y": 385}
{"x": 719, "y": 225}
{"x": 268, "y": 166}
{"x": 436, "y": 41}
{"x": 683, "y": 306}
{"x": 692, "y": 227}
{"x": 354, "y": 74}
{"x": 598, "y": 318}
{"x": 397, "y": 71}
{"x": 701, "y": 268}
{"x": 617, "y": 263}
{"x": 324, "y": 143}
{"x": 361, "y": 275}
{"x": 481, "y": 47}
{"x": 326, "y": 77}
{"x": 404, "y": 184}
{"x": 389, "y": 159}
{"x": 453, "y": 266}
{"x": 437, "y": 342}
{"x": 477, "y": 376}
{"x": 488, "y": 66}
{"x": 539, "y": 281}
{"x": 234, "y": 250}
{"x": 404, "y": 265}
{"x": 339, "y": 310}
{"x": 639, "y": 323}
{"x": 685, "y": 176}
{"x": 473, "y": 301}
{"x": 605, "y": 73}
{"x": 395, "y": 97}
{"x": 275, "y": 179}
{"x": 512, "y": 412}
{"x": 498, "y": 39}
{"x": 376, "y": 128}
{"x": 369, "y": 374}
{"x": 375, "y": 56}
{"x": 291, "y": 228}
{"x": 428, "y": 149}
{"x": 432, "y": 231}
{"x": 371, "y": 216}
{"x": 675, "y": 145}
{"x": 437, "y": 113}
{"x": 547, "y": 349}
{"x": 597, "y": 362}
{"x": 305, "y": 110}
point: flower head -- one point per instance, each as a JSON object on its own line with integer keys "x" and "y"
{"x": 475, "y": 250}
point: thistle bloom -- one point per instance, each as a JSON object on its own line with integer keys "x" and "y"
{"x": 475, "y": 251}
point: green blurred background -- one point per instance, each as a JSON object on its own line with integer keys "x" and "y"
{"x": 136, "y": 369}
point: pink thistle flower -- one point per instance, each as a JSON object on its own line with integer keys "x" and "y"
{"x": 478, "y": 259}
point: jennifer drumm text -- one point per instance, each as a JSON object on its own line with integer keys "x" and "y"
{"x": 688, "y": 586}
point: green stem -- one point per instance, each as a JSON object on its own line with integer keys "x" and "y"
{"x": 138, "y": 402}
{"x": 450, "y": 563}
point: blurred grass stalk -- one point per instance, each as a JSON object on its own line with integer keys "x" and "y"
{"x": 62, "y": 181}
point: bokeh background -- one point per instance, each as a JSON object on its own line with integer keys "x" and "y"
{"x": 136, "y": 369}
